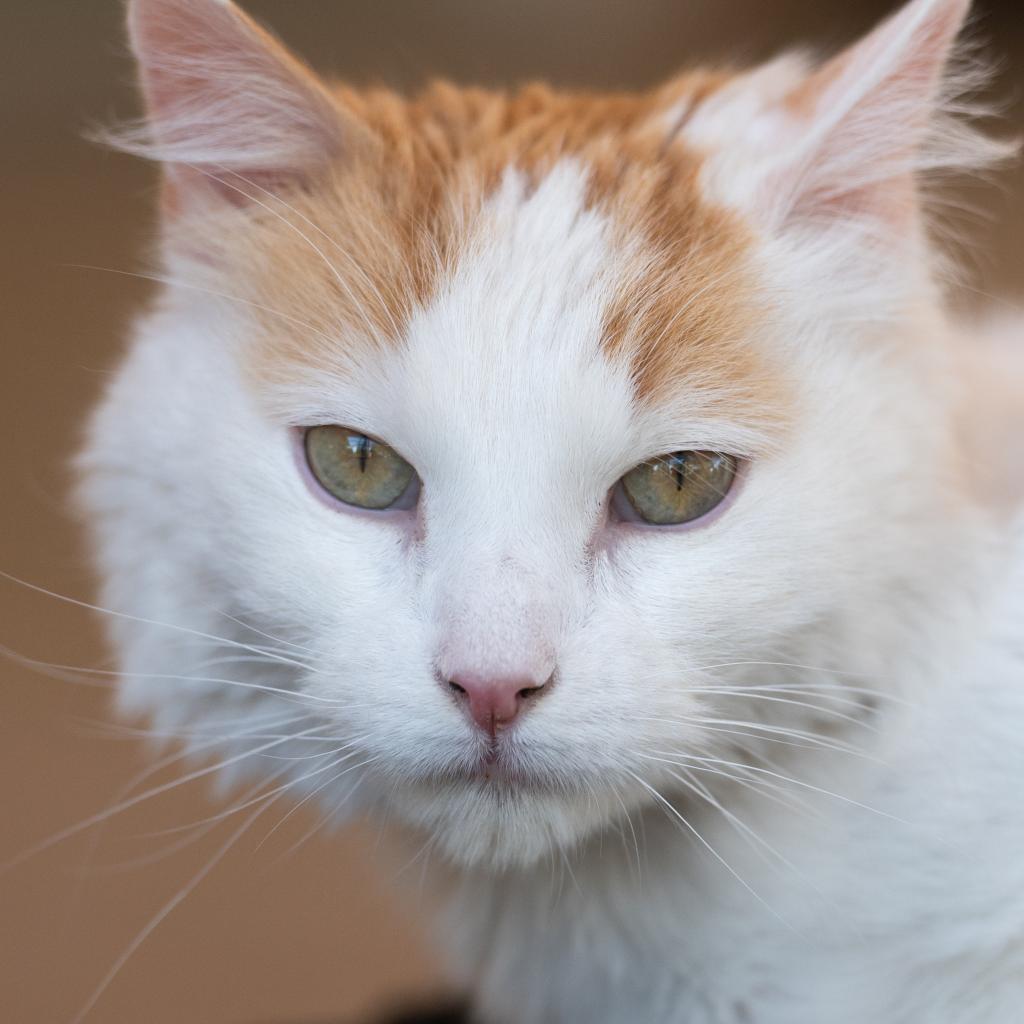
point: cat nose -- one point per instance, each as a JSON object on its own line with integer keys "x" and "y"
{"x": 494, "y": 702}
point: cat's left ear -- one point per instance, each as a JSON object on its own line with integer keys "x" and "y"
{"x": 848, "y": 139}
{"x": 229, "y": 110}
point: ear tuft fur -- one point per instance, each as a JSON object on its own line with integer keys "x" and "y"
{"x": 223, "y": 96}
{"x": 855, "y": 137}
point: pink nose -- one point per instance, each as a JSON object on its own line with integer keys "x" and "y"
{"x": 494, "y": 702}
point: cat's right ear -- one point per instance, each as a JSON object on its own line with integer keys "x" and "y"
{"x": 851, "y": 140}
{"x": 229, "y": 111}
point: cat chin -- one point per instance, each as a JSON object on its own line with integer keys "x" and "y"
{"x": 497, "y": 827}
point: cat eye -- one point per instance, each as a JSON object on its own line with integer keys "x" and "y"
{"x": 674, "y": 489}
{"x": 359, "y": 470}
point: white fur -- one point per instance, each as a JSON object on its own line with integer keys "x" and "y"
{"x": 883, "y": 883}
{"x": 889, "y": 108}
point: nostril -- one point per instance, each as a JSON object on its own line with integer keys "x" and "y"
{"x": 493, "y": 702}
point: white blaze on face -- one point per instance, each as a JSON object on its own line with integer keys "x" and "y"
{"x": 511, "y": 411}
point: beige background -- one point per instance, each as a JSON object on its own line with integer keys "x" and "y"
{"x": 268, "y": 936}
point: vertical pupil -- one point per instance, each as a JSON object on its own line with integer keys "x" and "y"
{"x": 678, "y": 467}
{"x": 359, "y": 446}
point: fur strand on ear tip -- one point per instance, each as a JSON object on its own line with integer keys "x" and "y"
{"x": 866, "y": 129}
{"x": 223, "y": 93}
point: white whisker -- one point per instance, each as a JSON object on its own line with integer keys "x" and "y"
{"x": 674, "y": 812}
{"x": 372, "y": 331}
{"x": 124, "y": 805}
{"x": 164, "y": 911}
{"x": 76, "y": 602}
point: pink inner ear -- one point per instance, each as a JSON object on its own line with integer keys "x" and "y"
{"x": 182, "y": 185}
{"x": 848, "y": 140}
{"x": 887, "y": 83}
{"x": 224, "y": 98}
{"x": 903, "y": 58}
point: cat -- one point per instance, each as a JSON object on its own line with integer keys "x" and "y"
{"x": 599, "y": 488}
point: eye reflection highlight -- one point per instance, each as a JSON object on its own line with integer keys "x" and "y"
{"x": 359, "y": 470}
{"x": 681, "y": 487}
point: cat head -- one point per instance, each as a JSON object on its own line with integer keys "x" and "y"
{"x": 525, "y": 450}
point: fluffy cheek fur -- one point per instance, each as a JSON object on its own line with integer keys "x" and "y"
{"x": 212, "y": 528}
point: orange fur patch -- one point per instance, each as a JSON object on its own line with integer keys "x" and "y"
{"x": 393, "y": 217}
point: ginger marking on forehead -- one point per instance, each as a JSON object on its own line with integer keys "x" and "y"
{"x": 395, "y": 218}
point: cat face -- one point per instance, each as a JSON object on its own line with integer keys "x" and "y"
{"x": 518, "y": 301}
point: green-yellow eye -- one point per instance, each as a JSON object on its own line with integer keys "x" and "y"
{"x": 678, "y": 488}
{"x": 356, "y": 469}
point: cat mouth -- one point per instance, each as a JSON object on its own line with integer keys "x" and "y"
{"x": 491, "y": 769}
{"x": 497, "y": 768}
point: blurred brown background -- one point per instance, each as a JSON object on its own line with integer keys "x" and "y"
{"x": 269, "y": 936}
